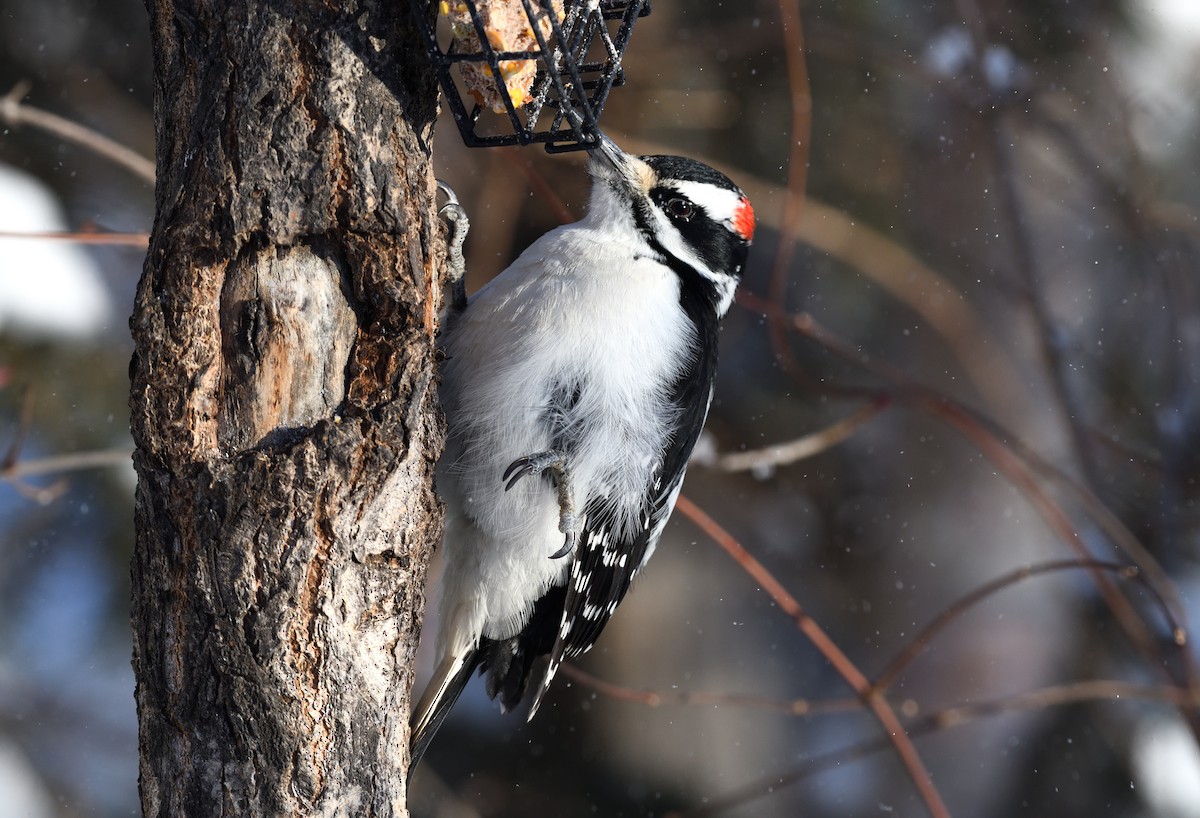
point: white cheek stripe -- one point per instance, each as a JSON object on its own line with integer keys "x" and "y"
{"x": 719, "y": 203}
{"x": 673, "y": 243}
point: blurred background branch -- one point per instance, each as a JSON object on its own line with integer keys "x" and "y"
{"x": 13, "y": 112}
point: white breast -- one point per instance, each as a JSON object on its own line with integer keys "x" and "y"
{"x": 578, "y": 301}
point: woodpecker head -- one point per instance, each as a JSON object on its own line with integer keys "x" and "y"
{"x": 697, "y": 220}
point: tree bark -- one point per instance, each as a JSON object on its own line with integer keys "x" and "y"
{"x": 283, "y": 408}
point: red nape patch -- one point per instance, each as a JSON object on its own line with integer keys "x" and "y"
{"x": 743, "y": 220}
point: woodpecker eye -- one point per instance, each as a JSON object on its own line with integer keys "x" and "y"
{"x": 680, "y": 209}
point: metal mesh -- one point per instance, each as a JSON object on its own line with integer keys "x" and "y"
{"x": 552, "y": 89}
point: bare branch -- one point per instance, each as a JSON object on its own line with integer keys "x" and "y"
{"x": 658, "y": 698}
{"x": 797, "y": 176}
{"x": 918, "y": 644}
{"x": 807, "y": 707}
{"x": 139, "y": 240}
{"x": 13, "y": 470}
{"x": 782, "y": 454}
{"x": 994, "y": 444}
{"x": 75, "y": 461}
{"x": 846, "y": 669}
{"x": 16, "y": 114}
{"x": 1056, "y": 695}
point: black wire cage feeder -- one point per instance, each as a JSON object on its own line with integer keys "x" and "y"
{"x": 518, "y": 72}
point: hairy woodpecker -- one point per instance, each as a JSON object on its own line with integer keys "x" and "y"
{"x": 575, "y": 385}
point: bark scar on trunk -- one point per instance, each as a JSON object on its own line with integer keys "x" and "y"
{"x": 287, "y": 330}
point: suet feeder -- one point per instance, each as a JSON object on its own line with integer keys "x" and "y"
{"x": 518, "y": 72}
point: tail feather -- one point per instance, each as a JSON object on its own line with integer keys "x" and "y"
{"x": 509, "y": 665}
{"x": 510, "y": 662}
{"x": 447, "y": 684}
{"x": 558, "y": 651}
{"x": 551, "y": 669}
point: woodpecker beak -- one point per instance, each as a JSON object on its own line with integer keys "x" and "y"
{"x": 607, "y": 151}
{"x": 610, "y": 162}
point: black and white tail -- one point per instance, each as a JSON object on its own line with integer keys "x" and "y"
{"x": 448, "y": 682}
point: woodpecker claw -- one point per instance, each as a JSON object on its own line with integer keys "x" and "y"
{"x": 458, "y": 224}
{"x": 534, "y": 464}
{"x": 568, "y": 546}
{"x": 448, "y": 192}
{"x": 555, "y": 463}
{"x": 524, "y": 466}
{"x": 521, "y": 469}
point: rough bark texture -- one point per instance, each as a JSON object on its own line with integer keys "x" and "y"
{"x": 283, "y": 408}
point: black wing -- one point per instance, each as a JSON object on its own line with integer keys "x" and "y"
{"x": 606, "y": 564}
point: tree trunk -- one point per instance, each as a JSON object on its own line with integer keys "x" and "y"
{"x": 284, "y": 411}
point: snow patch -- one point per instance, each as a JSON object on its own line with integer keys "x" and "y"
{"x": 47, "y": 287}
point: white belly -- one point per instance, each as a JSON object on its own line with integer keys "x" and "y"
{"x": 617, "y": 320}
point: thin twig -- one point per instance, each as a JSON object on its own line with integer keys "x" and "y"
{"x": 75, "y": 461}
{"x": 39, "y": 494}
{"x": 1026, "y": 264}
{"x": 1056, "y": 695}
{"x": 1050, "y": 332}
{"x": 658, "y": 698}
{"x": 808, "y": 707}
{"x": 797, "y": 176}
{"x": 1136, "y": 207}
{"x": 918, "y": 644}
{"x": 13, "y": 469}
{"x": 140, "y": 240}
{"x": 846, "y": 669}
{"x": 924, "y": 397}
{"x": 1017, "y": 464}
{"x": 16, "y": 114}
{"x": 13, "y": 453}
{"x": 14, "y": 473}
{"x": 1002, "y": 455}
{"x": 1123, "y": 538}
{"x": 782, "y": 454}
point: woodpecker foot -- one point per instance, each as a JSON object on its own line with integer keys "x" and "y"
{"x": 534, "y": 464}
{"x": 554, "y": 463}
{"x": 457, "y": 224}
